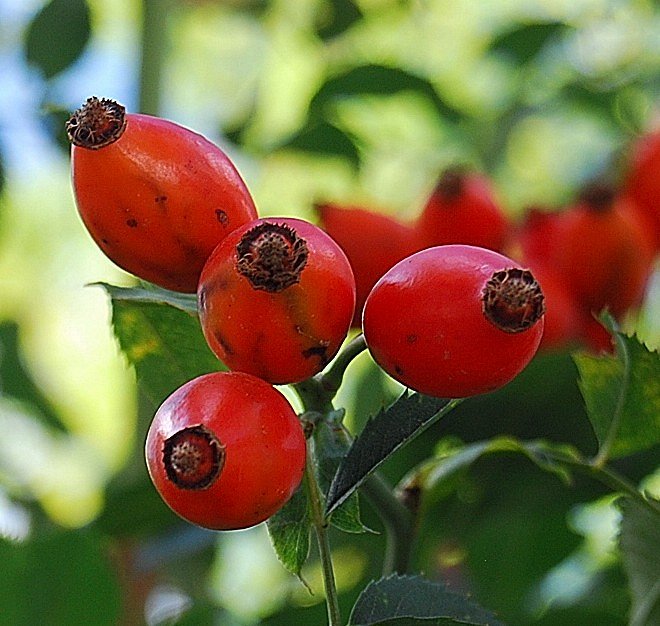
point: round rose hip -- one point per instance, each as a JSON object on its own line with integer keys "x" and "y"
{"x": 276, "y": 299}
{"x": 454, "y": 321}
{"x": 226, "y": 451}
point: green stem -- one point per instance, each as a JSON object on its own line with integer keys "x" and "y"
{"x": 331, "y": 379}
{"x": 321, "y": 528}
{"x": 398, "y": 521}
{"x": 153, "y": 48}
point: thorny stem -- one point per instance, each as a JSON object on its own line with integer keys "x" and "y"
{"x": 316, "y": 395}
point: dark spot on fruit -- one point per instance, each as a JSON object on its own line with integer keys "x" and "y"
{"x": 193, "y": 457}
{"x": 398, "y": 370}
{"x": 223, "y": 342}
{"x": 411, "y": 338}
{"x": 319, "y": 351}
{"x": 221, "y": 216}
{"x": 160, "y": 199}
{"x": 132, "y": 223}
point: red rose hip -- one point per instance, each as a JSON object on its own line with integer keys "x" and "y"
{"x": 454, "y": 321}
{"x": 155, "y": 196}
{"x": 276, "y": 299}
{"x": 226, "y": 451}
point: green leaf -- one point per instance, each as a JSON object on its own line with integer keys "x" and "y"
{"x": 58, "y": 578}
{"x": 289, "y": 530}
{"x": 524, "y": 42}
{"x": 159, "y": 333}
{"x": 409, "y": 600}
{"x": 331, "y": 443}
{"x": 639, "y": 541}
{"x": 388, "y": 431}
{"x": 622, "y": 396}
{"x": 377, "y": 79}
{"x": 57, "y": 35}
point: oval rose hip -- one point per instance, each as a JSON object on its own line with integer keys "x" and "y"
{"x": 454, "y": 321}
{"x": 226, "y": 451}
{"x": 155, "y": 196}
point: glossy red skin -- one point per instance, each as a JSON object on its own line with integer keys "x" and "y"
{"x": 424, "y": 325}
{"x": 159, "y": 199}
{"x": 264, "y": 446}
{"x": 604, "y": 256}
{"x": 372, "y": 241}
{"x": 470, "y": 217}
{"x": 283, "y": 337}
{"x": 642, "y": 182}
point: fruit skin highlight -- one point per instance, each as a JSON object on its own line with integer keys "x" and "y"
{"x": 276, "y": 299}
{"x": 454, "y": 321}
{"x": 156, "y": 197}
{"x": 241, "y": 436}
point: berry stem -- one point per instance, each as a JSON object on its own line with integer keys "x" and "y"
{"x": 321, "y": 529}
{"x": 318, "y": 392}
{"x": 331, "y": 379}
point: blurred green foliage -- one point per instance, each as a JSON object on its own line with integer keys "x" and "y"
{"x": 359, "y": 101}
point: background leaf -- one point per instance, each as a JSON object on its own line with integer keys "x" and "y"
{"x": 16, "y": 381}
{"x": 57, "y": 36}
{"x": 639, "y": 541}
{"x": 392, "y": 428}
{"x": 377, "y": 79}
{"x": 160, "y": 335}
{"x": 58, "y": 578}
{"x": 321, "y": 137}
{"x": 418, "y": 601}
{"x": 439, "y": 473}
{"x": 340, "y": 16}
{"x": 524, "y": 42}
{"x": 602, "y": 380}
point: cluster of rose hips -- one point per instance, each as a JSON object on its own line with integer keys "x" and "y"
{"x": 445, "y": 315}
{"x": 596, "y": 253}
